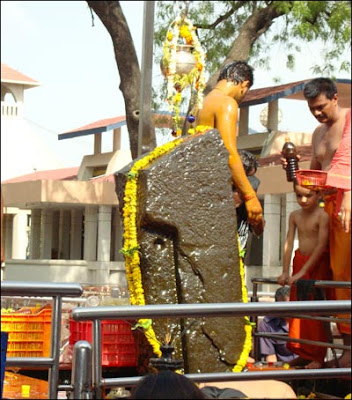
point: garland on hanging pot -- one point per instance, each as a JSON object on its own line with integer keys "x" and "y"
{"x": 182, "y": 27}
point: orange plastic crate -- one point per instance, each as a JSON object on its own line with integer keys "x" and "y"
{"x": 119, "y": 348}
{"x": 29, "y": 334}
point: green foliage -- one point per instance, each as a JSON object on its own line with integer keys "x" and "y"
{"x": 298, "y": 23}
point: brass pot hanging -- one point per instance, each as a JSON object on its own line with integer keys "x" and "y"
{"x": 185, "y": 60}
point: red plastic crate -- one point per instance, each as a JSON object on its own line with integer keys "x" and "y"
{"x": 119, "y": 348}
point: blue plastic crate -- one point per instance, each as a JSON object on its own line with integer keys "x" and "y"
{"x": 4, "y": 337}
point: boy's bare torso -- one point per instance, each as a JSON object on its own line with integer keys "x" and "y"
{"x": 307, "y": 225}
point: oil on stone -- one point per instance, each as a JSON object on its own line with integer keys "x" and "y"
{"x": 187, "y": 233}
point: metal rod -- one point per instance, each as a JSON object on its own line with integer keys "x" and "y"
{"x": 97, "y": 368}
{"x": 326, "y": 284}
{"x": 211, "y": 309}
{"x": 326, "y": 373}
{"x": 146, "y": 72}
{"x": 55, "y": 346}
{"x": 81, "y": 376}
{"x": 12, "y": 288}
{"x": 326, "y": 319}
{"x": 23, "y": 362}
{"x": 254, "y": 319}
{"x": 313, "y": 342}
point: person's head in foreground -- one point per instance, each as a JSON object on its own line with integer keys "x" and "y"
{"x": 321, "y": 95}
{"x": 282, "y": 294}
{"x": 166, "y": 385}
{"x": 249, "y": 161}
{"x": 239, "y": 73}
{"x": 308, "y": 199}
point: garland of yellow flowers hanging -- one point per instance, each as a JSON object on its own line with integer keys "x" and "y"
{"x": 182, "y": 28}
{"x": 131, "y": 251}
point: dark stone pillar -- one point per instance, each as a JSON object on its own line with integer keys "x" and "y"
{"x": 189, "y": 254}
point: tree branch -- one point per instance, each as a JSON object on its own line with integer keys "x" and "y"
{"x": 112, "y": 17}
{"x": 257, "y": 24}
{"x": 218, "y": 21}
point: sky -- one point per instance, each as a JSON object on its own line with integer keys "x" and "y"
{"x": 55, "y": 43}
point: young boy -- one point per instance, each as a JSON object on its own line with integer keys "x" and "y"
{"x": 311, "y": 262}
{"x": 250, "y": 165}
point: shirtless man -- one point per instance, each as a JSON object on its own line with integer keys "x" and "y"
{"x": 220, "y": 110}
{"x": 331, "y": 152}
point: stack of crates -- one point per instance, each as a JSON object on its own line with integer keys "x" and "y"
{"x": 119, "y": 348}
{"x": 29, "y": 334}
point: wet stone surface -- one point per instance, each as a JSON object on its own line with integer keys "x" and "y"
{"x": 189, "y": 254}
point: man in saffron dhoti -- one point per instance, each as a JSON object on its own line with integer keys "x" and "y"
{"x": 331, "y": 152}
{"x": 220, "y": 109}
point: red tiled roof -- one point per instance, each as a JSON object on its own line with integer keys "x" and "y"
{"x": 293, "y": 91}
{"x": 256, "y": 96}
{"x": 274, "y": 159}
{"x": 100, "y": 124}
{"x": 9, "y": 74}
{"x": 56, "y": 175}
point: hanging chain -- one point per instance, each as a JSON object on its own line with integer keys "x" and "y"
{"x": 181, "y": 8}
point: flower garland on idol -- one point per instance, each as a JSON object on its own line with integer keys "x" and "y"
{"x": 132, "y": 258}
{"x": 184, "y": 29}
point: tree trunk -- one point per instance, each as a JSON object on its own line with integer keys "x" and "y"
{"x": 256, "y": 25}
{"x": 112, "y": 17}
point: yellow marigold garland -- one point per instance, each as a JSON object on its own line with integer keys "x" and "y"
{"x": 247, "y": 346}
{"x": 131, "y": 251}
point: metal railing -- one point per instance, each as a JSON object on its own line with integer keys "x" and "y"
{"x": 318, "y": 284}
{"x": 96, "y": 314}
{"x": 56, "y": 291}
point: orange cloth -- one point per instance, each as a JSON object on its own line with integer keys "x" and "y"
{"x": 340, "y": 255}
{"x": 339, "y": 174}
{"x": 305, "y": 328}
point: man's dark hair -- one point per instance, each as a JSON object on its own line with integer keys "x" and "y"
{"x": 249, "y": 161}
{"x": 166, "y": 385}
{"x": 237, "y": 71}
{"x": 282, "y": 293}
{"x": 318, "y": 86}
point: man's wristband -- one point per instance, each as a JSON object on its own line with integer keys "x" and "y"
{"x": 249, "y": 196}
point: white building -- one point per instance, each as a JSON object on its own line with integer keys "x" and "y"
{"x": 60, "y": 225}
{"x": 72, "y": 214}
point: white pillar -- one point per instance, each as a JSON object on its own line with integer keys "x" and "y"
{"x": 34, "y": 253}
{"x": 244, "y": 122}
{"x": 8, "y": 236}
{"x": 64, "y": 235}
{"x": 271, "y": 235}
{"x": 97, "y": 143}
{"x": 46, "y": 234}
{"x": 90, "y": 233}
{"x": 104, "y": 233}
{"x": 19, "y": 236}
{"x": 76, "y": 235}
{"x": 55, "y": 235}
{"x": 116, "y": 145}
{"x": 273, "y": 116}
